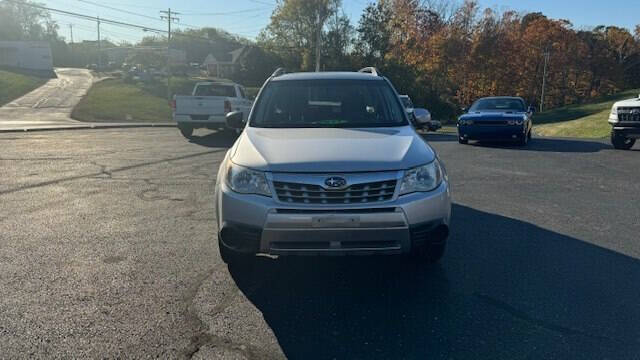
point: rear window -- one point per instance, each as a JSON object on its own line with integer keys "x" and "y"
{"x": 328, "y": 103}
{"x": 215, "y": 90}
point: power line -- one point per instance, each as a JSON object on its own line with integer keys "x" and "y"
{"x": 120, "y": 10}
{"x": 235, "y": 12}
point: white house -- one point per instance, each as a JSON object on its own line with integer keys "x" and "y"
{"x": 32, "y": 55}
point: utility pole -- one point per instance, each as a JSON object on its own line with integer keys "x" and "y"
{"x": 318, "y": 43}
{"x": 71, "y": 43}
{"x": 544, "y": 78}
{"x": 99, "y": 45}
{"x": 170, "y": 17}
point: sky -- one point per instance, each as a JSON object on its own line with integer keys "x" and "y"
{"x": 247, "y": 17}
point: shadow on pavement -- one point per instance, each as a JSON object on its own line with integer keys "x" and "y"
{"x": 505, "y": 289}
{"x": 536, "y": 144}
{"x": 214, "y": 139}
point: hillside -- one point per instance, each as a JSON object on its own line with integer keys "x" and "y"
{"x": 13, "y": 85}
{"x": 582, "y": 120}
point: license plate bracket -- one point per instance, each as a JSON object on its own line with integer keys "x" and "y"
{"x": 335, "y": 221}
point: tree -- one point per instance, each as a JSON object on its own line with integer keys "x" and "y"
{"x": 374, "y": 32}
{"x": 23, "y": 22}
{"x": 293, "y": 31}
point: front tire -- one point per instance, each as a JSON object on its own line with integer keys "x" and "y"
{"x": 187, "y": 132}
{"x": 621, "y": 142}
{"x": 232, "y": 257}
{"x": 433, "y": 249}
{"x": 525, "y": 140}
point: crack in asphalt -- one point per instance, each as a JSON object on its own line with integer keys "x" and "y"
{"x": 203, "y": 336}
{"x": 103, "y": 172}
{"x": 521, "y": 315}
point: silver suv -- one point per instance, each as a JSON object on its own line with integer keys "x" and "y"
{"x": 329, "y": 164}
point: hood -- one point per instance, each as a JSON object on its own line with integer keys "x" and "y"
{"x": 329, "y": 150}
{"x": 629, "y": 103}
{"x": 480, "y": 115}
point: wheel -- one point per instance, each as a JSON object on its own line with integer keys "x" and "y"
{"x": 231, "y": 257}
{"x": 462, "y": 141}
{"x": 525, "y": 140}
{"x": 186, "y": 131}
{"x": 621, "y": 142}
{"x": 432, "y": 250}
{"x": 430, "y": 253}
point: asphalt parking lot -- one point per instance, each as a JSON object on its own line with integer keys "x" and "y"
{"x": 107, "y": 249}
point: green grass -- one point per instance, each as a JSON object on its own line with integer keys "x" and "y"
{"x": 113, "y": 100}
{"x": 14, "y": 85}
{"x": 580, "y": 120}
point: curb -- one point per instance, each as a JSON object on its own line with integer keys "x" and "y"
{"x": 86, "y": 127}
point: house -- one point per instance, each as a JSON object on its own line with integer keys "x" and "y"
{"x": 31, "y": 55}
{"x": 227, "y": 65}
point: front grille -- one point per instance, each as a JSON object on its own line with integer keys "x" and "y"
{"x": 297, "y": 193}
{"x": 629, "y": 114}
{"x": 491, "y": 122}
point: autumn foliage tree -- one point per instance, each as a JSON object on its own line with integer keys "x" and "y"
{"x": 445, "y": 56}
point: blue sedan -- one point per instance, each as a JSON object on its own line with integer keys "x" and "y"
{"x": 499, "y": 118}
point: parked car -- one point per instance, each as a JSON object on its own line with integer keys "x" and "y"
{"x": 421, "y": 117}
{"x": 625, "y": 122}
{"x": 328, "y": 164}
{"x": 208, "y": 105}
{"x": 501, "y": 118}
{"x": 407, "y": 103}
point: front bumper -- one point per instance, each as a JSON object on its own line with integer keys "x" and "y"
{"x": 627, "y": 129}
{"x": 259, "y": 224}
{"x": 492, "y": 132}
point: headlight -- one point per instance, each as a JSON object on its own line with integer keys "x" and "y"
{"x": 422, "y": 178}
{"x": 466, "y": 122}
{"x": 519, "y": 122}
{"x": 614, "y": 113}
{"x": 247, "y": 181}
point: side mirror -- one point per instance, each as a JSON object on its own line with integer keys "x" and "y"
{"x": 464, "y": 109}
{"x": 422, "y": 116}
{"x": 235, "y": 120}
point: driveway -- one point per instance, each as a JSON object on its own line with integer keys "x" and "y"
{"x": 50, "y": 104}
{"x": 108, "y": 249}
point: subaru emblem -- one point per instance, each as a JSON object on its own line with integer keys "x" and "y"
{"x": 335, "y": 182}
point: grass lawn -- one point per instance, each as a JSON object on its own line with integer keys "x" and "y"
{"x": 580, "y": 120}
{"x": 113, "y": 100}
{"x": 14, "y": 85}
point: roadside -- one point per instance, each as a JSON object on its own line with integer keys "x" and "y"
{"x": 580, "y": 120}
{"x": 114, "y": 100}
{"x": 13, "y": 85}
{"x": 119, "y": 100}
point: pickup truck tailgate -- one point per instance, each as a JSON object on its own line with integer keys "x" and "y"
{"x": 200, "y": 105}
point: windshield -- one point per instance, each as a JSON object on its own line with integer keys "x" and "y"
{"x": 328, "y": 103}
{"x": 498, "y": 104}
{"x": 215, "y": 90}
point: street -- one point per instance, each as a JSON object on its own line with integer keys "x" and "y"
{"x": 50, "y": 104}
{"x": 108, "y": 249}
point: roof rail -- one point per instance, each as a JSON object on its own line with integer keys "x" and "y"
{"x": 279, "y": 71}
{"x": 370, "y": 70}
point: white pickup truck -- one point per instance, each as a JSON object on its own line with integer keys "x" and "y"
{"x": 207, "y": 106}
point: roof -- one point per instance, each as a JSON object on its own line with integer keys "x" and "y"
{"x": 343, "y": 75}
{"x": 502, "y": 97}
